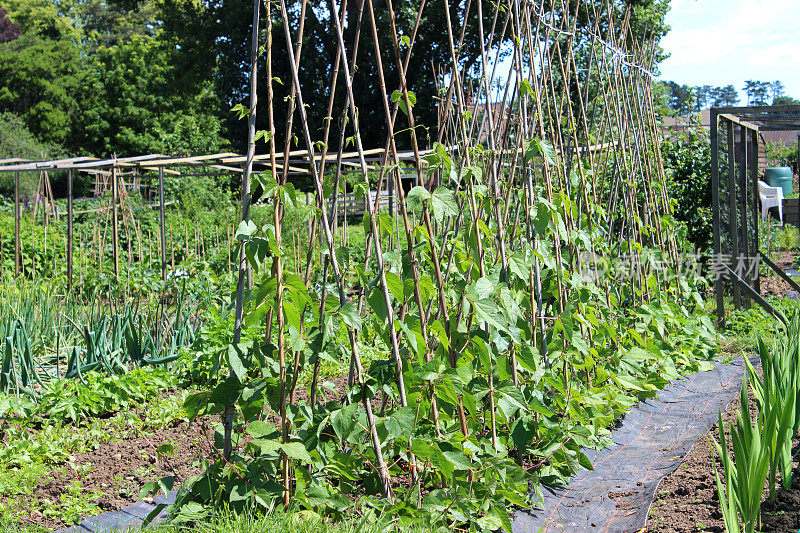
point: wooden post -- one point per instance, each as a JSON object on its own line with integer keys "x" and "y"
{"x": 69, "y": 229}
{"x": 161, "y": 223}
{"x": 16, "y": 225}
{"x": 733, "y": 226}
{"x": 715, "y": 212}
{"x": 114, "y": 229}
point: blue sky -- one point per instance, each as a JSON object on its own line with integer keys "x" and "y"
{"x": 718, "y": 42}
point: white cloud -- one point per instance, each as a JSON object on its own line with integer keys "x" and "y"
{"x": 726, "y": 41}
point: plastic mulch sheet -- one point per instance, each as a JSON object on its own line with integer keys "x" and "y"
{"x": 130, "y": 518}
{"x": 652, "y": 441}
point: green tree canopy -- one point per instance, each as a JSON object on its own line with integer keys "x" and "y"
{"x": 8, "y": 30}
{"x": 99, "y": 77}
{"x": 41, "y": 81}
{"x": 132, "y": 107}
{"x": 757, "y": 92}
{"x": 132, "y": 76}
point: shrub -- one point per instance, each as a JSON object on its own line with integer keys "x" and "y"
{"x": 687, "y": 160}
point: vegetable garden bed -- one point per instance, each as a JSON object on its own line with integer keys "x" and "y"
{"x": 65, "y": 472}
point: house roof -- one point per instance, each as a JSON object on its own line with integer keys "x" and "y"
{"x": 788, "y": 138}
{"x": 684, "y": 121}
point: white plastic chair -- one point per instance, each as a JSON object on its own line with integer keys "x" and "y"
{"x": 770, "y": 197}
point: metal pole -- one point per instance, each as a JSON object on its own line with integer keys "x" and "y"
{"x": 16, "y": 226}
{"x": 69, "y": 229}
{"x": 161, "y": 223}
{"x": 114, "y": 229}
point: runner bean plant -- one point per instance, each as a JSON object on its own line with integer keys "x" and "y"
{"x": 525, "y": 292}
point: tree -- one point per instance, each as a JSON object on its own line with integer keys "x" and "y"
{"x": 112, "y": 75}
{"x": 687, "y": 160}
{"x": 703, "y": 96}
{"x": 757, "y": 92}
{"x": 216, "y": 32}
{"x": 97, "y": 77}
{"x": 777, "y": 89}
{"x": 41, "y": 78}
{"x": 680, "y": 97}
{"x": 8, "y": 30}
{"x": 16, "y": 140}
{"x": 132, "y": 107}
{"x": 661, "y": 97}
{"x": 54, "y": 20}
{"x": 785, "y": 100}
{"x": 726, "y": 96}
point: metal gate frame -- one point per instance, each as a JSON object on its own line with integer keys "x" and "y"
{"x": 735, "y": 200}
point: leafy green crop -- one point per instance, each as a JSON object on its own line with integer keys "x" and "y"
{"x": 485, "y": 384}
{"x": 46, "y": 335}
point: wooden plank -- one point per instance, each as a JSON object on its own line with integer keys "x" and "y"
{"x": 753, "y": 169}
{"x": 737, "y": 282}
{"x": 166, "y": 170}
{"x": 776, "y": 109}
{"x": 99, "y": 163}
{"x": 189, "y": 160}
{"x": 741, "y": 206}
{"x": 739, "y": 121}
{"x": 779, "y": 271}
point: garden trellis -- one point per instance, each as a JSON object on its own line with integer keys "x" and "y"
{"x": 736, "y": 204}
{"x": 531, "y": 230}
{"x": 565, "y": 161}
{"x": 109, "y": 177}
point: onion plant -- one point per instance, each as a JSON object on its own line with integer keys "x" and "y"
{"x": 746, "y": 472}
{"x": 763, "y": 449}
{"x": 776, "y": 397}
{"x": 41, "y": 328}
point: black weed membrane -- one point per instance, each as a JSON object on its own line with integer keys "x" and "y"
{"x": 651, "y": 442}
{"x": 128, "y": 519}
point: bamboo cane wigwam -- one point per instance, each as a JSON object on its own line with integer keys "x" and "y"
{"x": 514, "y": 184}
{"x": 542, "y": 165}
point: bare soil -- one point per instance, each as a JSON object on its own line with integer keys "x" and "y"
{"x": 111, "y": 476}
{"x": 686, "y": 500}
{"x": 773, "y": 285}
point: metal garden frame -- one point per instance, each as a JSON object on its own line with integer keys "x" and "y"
{"x": 735, "y": 200}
